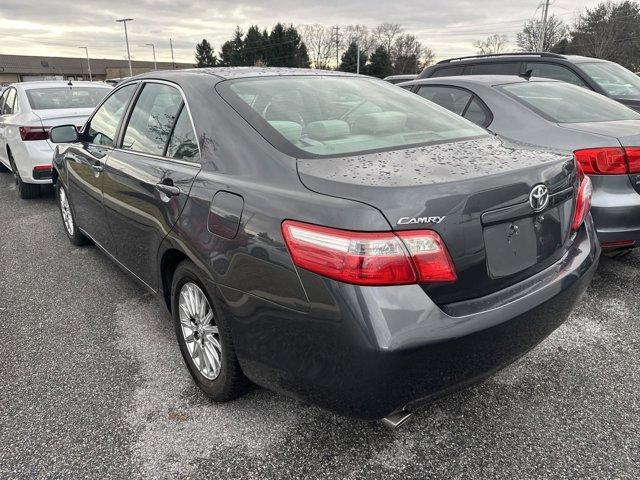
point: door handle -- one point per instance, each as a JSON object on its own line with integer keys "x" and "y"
{"x": 97, "y": 167}
{"x": 168, "y": 190}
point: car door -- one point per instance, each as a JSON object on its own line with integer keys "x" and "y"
{"x": 555, "y": 72}
{"x": 148, "y": 177}
{"x": 3, "y": 143}
{"x": 85, "y": 164}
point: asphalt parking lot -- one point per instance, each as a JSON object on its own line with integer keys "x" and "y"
{"x": 93, "y": 386}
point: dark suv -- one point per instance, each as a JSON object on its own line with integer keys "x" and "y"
{"x": 602, "y": 76}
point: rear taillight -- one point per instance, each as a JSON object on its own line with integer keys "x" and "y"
{"x": 34, "y": 133}
{"x": 369, "y": 258}
{"x": 609, "y": 161}
{"x": 583, "y": 202}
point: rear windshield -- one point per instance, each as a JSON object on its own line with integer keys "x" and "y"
{"x": 311, "y": 116}
{"x": 614, "y": 79}
{"x": 65, "y": 97}
{"x": 565, "y": 103}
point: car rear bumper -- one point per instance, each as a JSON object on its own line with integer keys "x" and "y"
{"x": 29, "y": 155}
{"x": 368, "y": 351}
{"x": 615, "y": 209}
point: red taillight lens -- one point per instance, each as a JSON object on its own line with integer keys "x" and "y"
{"x": 583, "y": 203}
{"x": 34, "y": 133}
{"x": 363, "y": 258}
{"x": 609, "y": 161}
{"x": 602, "y": 161}
{"x": 633, "y": 159}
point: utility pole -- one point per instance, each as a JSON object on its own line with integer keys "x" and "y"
{"x": 126, "y": 37}
{"x": 543, "y": 30}
{"x": 155, "y": 64}
{"x": 88, "y": 63}
{"x": 337, "y": 47}
{"x": 173, "y": 63}
{"x": 358, "y": 61}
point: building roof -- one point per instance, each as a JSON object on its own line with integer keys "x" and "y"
{"x": 38, "y": 65}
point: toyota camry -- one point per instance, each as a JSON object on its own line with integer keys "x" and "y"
{"x": 328, "y": 236}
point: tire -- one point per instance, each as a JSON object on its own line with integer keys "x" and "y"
{"x": 76, "y": 237}
{"x": 228, "y": 382}
{"x": 25, "y": 190}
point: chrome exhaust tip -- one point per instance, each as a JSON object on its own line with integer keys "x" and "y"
{"x": 396, "y": 419}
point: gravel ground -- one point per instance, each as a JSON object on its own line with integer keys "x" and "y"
{"x": 92, "y": 386}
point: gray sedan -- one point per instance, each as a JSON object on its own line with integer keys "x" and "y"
{"x": 603, "y": 135}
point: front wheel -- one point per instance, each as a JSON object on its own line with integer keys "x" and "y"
{"x": 76, "y": 237}
{"x": 205, "y": 341}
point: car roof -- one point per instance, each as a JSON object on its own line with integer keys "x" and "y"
{"x": 228, "y": 73}
{"x": 59, "y": 83}
{"x": 490, "y": 58}
{"x": 396, "y": 77}
{"x": 487, "y": 80}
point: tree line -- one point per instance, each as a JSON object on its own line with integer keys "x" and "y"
{"x": 384, "y": 50}
{"x": 610, "y": 31}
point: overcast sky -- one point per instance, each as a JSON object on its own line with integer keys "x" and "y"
{"x": 58, "y": 27}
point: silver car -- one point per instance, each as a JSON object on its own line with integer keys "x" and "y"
{"x": 603, "y": 134}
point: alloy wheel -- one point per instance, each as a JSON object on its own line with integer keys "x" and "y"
{"x": 199, "y": 330}
{"x": 67, "y": 217}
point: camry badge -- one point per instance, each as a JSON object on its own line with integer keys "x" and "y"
{"x": 539, "y": 197}
{"x": 414, "y": 220}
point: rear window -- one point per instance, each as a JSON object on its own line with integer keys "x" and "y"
{"x": 65, "y": 97}
{"x": 566, "y": 103}
{"x": 311, "y": 116}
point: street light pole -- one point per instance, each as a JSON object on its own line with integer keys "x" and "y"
{"x": 173, "y": 62}
{"x": 88, "y": 63}
{"x": 126, "y": 37}
{"x": 155, "y": 65}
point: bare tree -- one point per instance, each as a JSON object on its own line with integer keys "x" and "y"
{"x": 407, "y": 53}
{"x": 529, "y": 39}
{"x": 320, "y": 44}
{"x": 387, "y": 33}
{"x": 361, "y": 36}
{"x": 493, "y": 44}
{"x": 428, "y": 58}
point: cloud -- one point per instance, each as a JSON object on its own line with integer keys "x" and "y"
{"x": 55, "y": 27}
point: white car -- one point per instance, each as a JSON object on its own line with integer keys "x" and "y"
{"x": 27, "y": 112}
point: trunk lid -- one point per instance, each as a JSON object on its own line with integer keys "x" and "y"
{"x": 475, "y": 194}
{"x": 62, "y": 116}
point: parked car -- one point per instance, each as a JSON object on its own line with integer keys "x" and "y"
{"x": 399, "y": 78}
{"x": 607, "y": 78}
{"x": 389, "y": 250}
{"x": 603, "y": 134}
{"x": 27, "y": 111}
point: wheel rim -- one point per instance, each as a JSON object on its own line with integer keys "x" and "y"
{"x": 199, "y": 330}
{"x": 67, "y": 217}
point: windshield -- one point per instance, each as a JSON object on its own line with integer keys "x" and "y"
{"x": 65, "y": 97}
{"x": 566, "y": 103}
{"x": 614, "y": 79}
{"x": 329, "y": 115}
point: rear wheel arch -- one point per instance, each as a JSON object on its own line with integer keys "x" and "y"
{"x": 170, "y": 260}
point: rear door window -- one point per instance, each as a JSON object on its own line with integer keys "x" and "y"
{"x": 152, "y": 119}
{"x": 104, "y": 123}
{"x": 183, "y": 144}
{"x": 556, "y": 72}
{"x": 454, "y": 99}
{"x": 9, "y": 107}
{"x": 477, "y": 113}
{"x": 501, "y": 68}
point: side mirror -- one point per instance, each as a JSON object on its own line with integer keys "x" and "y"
{"x": 63, "y": 134}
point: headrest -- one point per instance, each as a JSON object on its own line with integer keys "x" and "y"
{"x": 380, "y": 122}
{"x": 292, "y": 131}
{"x": 326, "y": 129}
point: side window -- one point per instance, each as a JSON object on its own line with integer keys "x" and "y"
{"x": 152, "y": 119}
{"x": 477, "y": 114}
{"x": 9, "y": 104}
{"x": 3, "y": 97}
{"x": 454, "y": 99}
{"x": 183, "y": 143}
{"x": 501, "y": 68}
{"x": 556, "y": 72}
{"x": 448, "y": 71}
{"x": 104, "y": 124}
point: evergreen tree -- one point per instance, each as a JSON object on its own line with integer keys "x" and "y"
{"x": 237, "y": 53}
{"x": 380, "y": 63}
{"x": 254, "y": 47}
{"x": 204, "y": 54}
{"x": 349, "y": 59}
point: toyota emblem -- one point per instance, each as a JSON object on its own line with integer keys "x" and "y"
{"x": 539, "y": 198}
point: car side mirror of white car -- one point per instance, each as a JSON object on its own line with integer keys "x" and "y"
{"x": 64, "y": 134}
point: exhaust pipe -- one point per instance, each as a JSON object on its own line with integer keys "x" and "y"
{"x": 396, "y": 419}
